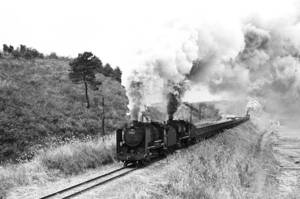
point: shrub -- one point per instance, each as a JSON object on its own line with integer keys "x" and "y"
{"x": 16, "y": 54}
{"x": 53, "y": 56}
{"x": 31, "y": 53}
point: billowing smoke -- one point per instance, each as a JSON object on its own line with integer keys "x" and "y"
{"x": 136, "y": 96}
{"x": 253, "y": 105}
{"x": 166, "y": 76}
{"x": 174, "y": 97}
{"x": 267, "y": 68}
{"x": 251, "y": 58}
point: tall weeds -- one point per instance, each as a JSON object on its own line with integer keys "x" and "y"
{"x": 50, "y": 164}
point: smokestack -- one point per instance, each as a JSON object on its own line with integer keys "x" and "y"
{"x": 172, "y": 106}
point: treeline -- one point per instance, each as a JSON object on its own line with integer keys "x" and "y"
{"x": 30, "y": 53}
{"x": 25, "y": 52}
{"x": 21, "y": 52}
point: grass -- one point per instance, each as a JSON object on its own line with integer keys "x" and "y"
{"x": 235, "y": 164}
{"x": 39, "y": 104}
{"x": 79, "y": 156}
{"x": 230, "y": 165}
{"x": 56, "y": 162}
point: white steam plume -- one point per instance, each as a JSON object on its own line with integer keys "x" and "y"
{"x": 237, "y": 58}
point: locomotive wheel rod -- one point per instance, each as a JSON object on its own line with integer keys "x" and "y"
{"x": 88, "y": 181}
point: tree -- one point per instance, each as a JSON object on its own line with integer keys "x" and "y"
{"x": 108, "y": 71}
{"x": 117, "y": 74}
{"x": 53, "y": 55}
{"x": 10, "y": 49}
{"x": 5, "y": 48}
{"x": 22, "y": 49}
{"x": 83, "y": 69}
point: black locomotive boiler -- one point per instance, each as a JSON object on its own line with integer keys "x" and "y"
{"x": 139, "y": 142}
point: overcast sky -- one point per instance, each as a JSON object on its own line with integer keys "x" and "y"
{"x": 117, "y": 31}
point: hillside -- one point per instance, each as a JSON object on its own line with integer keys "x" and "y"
{"x": 41, "y": 106}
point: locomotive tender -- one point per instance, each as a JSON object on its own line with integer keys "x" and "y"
{"x": 139, "y": 142}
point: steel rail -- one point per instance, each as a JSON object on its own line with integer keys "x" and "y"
{"x": 98, "y": 184}
{"x": 82, "y": 183}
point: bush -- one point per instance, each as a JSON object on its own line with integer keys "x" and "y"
{"x": 31, "y": 53}
{"x": 53, "y": 56}
{"x": 16, "y": 54}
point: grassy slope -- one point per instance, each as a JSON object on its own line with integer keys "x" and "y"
{"x": 39, "y": 104}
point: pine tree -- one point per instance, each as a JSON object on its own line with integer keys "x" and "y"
{"x": 108, "y": 71}
{"x": 83, "y": 69}
{"x": 117, "y": 74}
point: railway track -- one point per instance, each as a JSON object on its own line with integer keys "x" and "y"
{"x": 87, "y": 185}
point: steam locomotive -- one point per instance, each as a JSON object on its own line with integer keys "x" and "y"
{"x": 139, "y": 142}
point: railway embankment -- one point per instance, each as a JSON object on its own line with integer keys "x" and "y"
{"x": 239, "y": 163}
{"x": 236, "y": 164}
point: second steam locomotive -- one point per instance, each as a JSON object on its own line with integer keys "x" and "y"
{"x": 139, "y": 142}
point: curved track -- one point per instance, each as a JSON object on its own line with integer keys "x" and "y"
{"x": 82, "y": 187}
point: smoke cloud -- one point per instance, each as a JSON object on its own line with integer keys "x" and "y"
{"x": 253, "y": 57}
{"x": 267, "y": 68}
